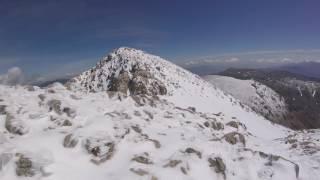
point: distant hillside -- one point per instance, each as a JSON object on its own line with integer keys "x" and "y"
{"x": 301, "y": 93}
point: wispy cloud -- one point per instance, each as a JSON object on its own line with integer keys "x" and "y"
{"x": 14, "y": 76}
{"x": 259, "y": 58}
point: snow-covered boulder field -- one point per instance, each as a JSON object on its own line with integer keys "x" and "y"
{"x": 138, "y": 116}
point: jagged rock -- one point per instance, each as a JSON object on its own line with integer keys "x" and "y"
{"x": 55, "y": 105}
{"x": 192, "y": 109}
{"x": 42, "y": 97}
{"x": 137, "y": 129}
{"x": 70, "y": 112}
{"x": 183, "y": 170}
{"x": 206, "y": 124}
{"x": 217, "y": 125}
{"x": 120, "y": 83}
{"x": 218, "y": 164}
{"x": 143, "y": 159}
{"x": 156, "y": 143}
{"x": 172, "y": 163}
{"x": 102, "y": 148}
{"x": 233, "y": 124}
{"x": 67, "y": 123}
{"x": 25, "y": 167}
{"x": 3, "y": 109}
{"x": 70, "y": 141}
{"x": 191, "y": 150}
{"x": 139, "y": 171}
{"x": 15, "y": 126}
{"x": 234, "y": 138}
{"x": 4, "y": 160}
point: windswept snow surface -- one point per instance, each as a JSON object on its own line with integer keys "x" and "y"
{"x": 194, "y": 132}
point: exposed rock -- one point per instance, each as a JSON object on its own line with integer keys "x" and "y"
{"x": 3, "y": 109}
{"x": 172, "y": 163}
{"x": 30, "y": 88}
{"x": 192, "y": 109}
{"x": 233, "y": 124}
{"x": 156, "y": 143}
{"x": 101, "y": 148}
{"x": 140, "y": 82}
{"x": 25, "y": 167}
{"x": 191, "y": 150}
{"x": 137, "y": 129}
{"x": 15, "y": 126}
{"x": 217, "y": 125}
{"x": 139, "y": 171}
{"x": 42, "y": 97}
{"x": 70, "y": 141}
{"x": 206, "y": 124}
{"x": 70, "y": 112}
{"x": 67, "y": 123}
{"x": 143, "y": 159}
{"x": 120, "y": 83}
{"x": 183, "y": 170}
{"x": 218, "y": 164}
{"x": 55, "y": 105}
{"x": 234, "y": 138}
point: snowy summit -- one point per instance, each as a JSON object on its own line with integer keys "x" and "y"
{"x": 137, "y": 116}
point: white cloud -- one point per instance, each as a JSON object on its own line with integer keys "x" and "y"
{"x": 14, "y": 76}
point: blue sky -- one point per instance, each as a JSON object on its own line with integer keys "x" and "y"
{"x": 58, "y": 36}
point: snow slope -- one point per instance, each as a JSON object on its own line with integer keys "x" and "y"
{"x": 68, "y": 132}
{"x": 257, "y": 96}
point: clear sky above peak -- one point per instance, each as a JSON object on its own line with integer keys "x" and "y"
{"x": 43, "y": 35}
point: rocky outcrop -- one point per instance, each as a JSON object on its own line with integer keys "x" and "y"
{"x": 70, "y": 141}
{"x": 234, "y": 138}
{"x": 25, "y": 167}
{"x": 102, "y": 148}
{"x": 15, "y": 126}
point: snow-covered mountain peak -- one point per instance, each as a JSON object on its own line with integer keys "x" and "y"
{"x": 136, "y": 72}
{"x": 173, "y": 125}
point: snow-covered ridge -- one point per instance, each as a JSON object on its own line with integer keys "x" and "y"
{"x": 191, "y": 130}
{"x": 257, "y": 96}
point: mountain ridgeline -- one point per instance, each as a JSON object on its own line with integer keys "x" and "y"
{"x": 140, "y": 117}
{"x": 301, "y": 94}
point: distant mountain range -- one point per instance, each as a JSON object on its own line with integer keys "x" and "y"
{"x": 311, "y": 69}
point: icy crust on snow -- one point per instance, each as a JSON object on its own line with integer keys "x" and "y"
{"x": 257, "y": 96}
{"x": 118, "y": 138}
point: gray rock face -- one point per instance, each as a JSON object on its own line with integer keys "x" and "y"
{"x": 218, "y": 165}
{"x": 143, "y": 159}
{"x": 102, "y": 149}
{"x": 70, "y": 112}
{"x": 121, "y": 83}
{"x": 55, "y": 105}
{"x": 193, "y": 151}
{"x": 141, "y": 82}
{"x": 2, "y": 109}
{"x": 70, "y": 141}
{"x": 24, "y": 167}
{"x": 234, "y": 138}
{"x": 15, "y": 126}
